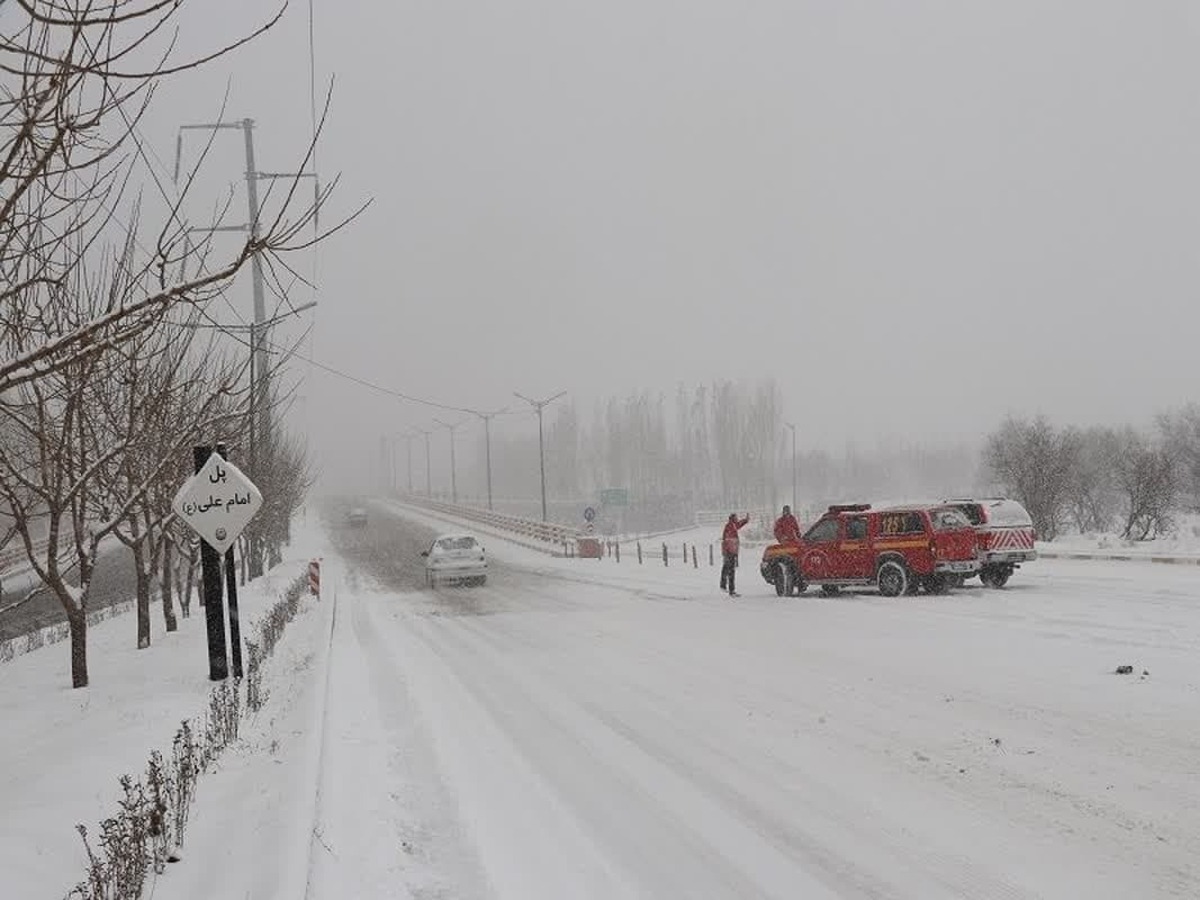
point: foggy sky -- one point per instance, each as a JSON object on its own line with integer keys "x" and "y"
{"x": 916, "y": 217}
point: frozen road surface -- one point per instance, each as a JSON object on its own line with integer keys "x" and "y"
{"x": 577, "y": 729}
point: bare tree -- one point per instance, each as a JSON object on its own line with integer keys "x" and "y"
{"x": 161, "y": 402}
{"x": 1093, "y": 492}
{"x": 68, "y": 147}
{"x": 1181, "y": 432}
{"x": 1036, "y": 463}
{"x": 1147, "y": 475}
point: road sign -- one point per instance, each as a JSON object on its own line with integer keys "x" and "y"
{"x": 614, "y": 497}
{"x": 589, "y": 515}
{"x": 218, "y": 502}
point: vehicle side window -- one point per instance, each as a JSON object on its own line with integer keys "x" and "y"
{"x": 823, "y": 532}
{"x": 896, "y": 523}
{"x": 973, "y": 512}
{"x": 856, "y": 529}
{"x": 948, "y": 519}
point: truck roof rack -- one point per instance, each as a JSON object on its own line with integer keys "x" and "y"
{"x": 849, "y": 507}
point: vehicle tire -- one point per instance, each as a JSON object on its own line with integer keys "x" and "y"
{"x": 830, "y": 590}
{"x": 892, "y": 578}
{"x": 958, "y": 580}
{"x": 985, "y": 575}
{"x": 1000, "y": 577}
{"x": 789, "y": 580}
{"x": 779, "y": 578}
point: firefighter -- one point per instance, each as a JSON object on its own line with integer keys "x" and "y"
{"x": 730, "y": 545}
{"x": 787, "y": 529}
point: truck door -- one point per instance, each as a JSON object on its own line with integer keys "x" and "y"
{"x": 854, "y": 556}
{"x": 819, "y": 544}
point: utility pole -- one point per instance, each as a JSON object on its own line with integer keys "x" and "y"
{"x": 487, "y": 441}
{"x": 260, "y": 417}
{"x": 539, "y": 405}
{"x": 793, "y": 428}
{"x": 453, "y": 467}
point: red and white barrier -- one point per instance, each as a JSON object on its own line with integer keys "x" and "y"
{"x": 314, "y": 577}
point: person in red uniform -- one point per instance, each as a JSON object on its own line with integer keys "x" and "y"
{"x": 730, "y": 545}
{"x": 787, "y": 529}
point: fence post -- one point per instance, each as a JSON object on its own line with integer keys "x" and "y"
{"x": 665, "y": 554}
{"x": 710, "y": 556}
{"x": 695, "y": 562}
{"x": 639, "y": 543}
{"x": 617, "y": 545}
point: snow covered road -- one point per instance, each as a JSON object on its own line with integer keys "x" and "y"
{"x": 575, "y": 730}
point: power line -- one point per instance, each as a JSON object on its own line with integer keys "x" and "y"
{"x": 390, "y": 392}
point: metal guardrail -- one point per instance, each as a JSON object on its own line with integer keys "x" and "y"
{"x": 14, "y": 555}
{"x": 546, "y": 532}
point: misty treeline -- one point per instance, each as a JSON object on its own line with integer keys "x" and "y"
{"x": 106, "y": 380}
{"x": 716, "y": 447}
{"x": 1100, "y": 479}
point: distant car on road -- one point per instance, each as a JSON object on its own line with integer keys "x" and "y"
{"x": 455, "y": 558}
{"x": 357, "y": 517}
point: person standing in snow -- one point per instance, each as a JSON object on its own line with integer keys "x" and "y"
{"x": 787, "y": 529}
{"x": 730, "y": 545}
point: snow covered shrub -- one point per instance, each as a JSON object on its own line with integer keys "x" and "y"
{"x": 270, "y": 630}
{"x": 185, "y": 771}
{"x": 153, "y": 814}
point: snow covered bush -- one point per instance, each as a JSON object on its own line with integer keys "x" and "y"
{"x": 153, "y": 813}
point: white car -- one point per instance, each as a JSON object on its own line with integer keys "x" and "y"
{"x": 455, "y": 558}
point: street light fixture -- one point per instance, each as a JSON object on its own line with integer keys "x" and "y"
{"x": 539, "y": 405}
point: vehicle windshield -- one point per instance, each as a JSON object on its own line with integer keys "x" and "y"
{"x": 456, "y": 543}
{"x": 948, "y": 518}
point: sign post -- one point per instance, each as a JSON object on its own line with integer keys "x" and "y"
{"x": 217, "y": 503}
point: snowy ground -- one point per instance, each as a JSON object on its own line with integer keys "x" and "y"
{"x": 63, "y": 750}
{"x": 580, "y": 728}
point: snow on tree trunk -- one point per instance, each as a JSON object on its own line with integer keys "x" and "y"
{"x": 143, "y": 596}
{"x": 168, "y": 600}
{"x": 184, "y": 585}
{"x": 77, "y": 622}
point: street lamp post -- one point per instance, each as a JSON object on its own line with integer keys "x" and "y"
{"x": 793, "y": 428}
{"x": 539, "y": 405}
{"x": 408, "y": 439}
{"x": 487, "y": 442}
{"x": 428, "y": 477}
{"x": 453, "y": 467}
